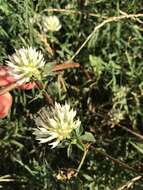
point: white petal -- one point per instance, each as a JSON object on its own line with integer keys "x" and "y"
{"x": 54, "y": 144}
{"x": 42, "y": 140}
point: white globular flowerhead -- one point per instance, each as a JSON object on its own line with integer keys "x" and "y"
{"x": 51, "y": 23}
{"x": 26, "y": 63}
{"x": 56, "y": 125}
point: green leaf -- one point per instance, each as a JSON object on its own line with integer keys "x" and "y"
{"x": 138, "y": 146}
{"x": 88, "y": 177}
{"x": 79, "y": 131}
{"x": 69, "y": 150}
{"x": 48, "y": 69}
{"x": 97, "y": 63}
{"x": 88, "y": 137}
{"x": 80, "y": 146}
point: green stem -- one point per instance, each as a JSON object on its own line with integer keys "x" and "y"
{"x": 86, "y": 148}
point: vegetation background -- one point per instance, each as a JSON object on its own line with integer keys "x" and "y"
{"x": 107, "y": 91}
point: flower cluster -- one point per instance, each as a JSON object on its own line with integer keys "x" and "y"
{"x": 56, "y": 125}
{"x": 51, "y": 23}
{"x": 6, "y": 98}
{"x": 25, "y": 64}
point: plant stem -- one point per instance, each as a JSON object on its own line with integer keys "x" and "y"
{"x": 97, "y": 27}
{"x": 46, "y": 95}
{"x": 131, "y": 131}
{"x": 116, "y": 161}
{"x": 130, "y": 183}
{"x": 86, "y": 148}
{"x": 56, "y": 68}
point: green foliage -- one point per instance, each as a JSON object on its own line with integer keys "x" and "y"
{"x": 106, "y": 91}
{"x": 97, "y": 64}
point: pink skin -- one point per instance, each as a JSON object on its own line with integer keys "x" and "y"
{"x": 27, "y": 86}
{"x": 5, "y": 104}
{"x": 6, "y": 99}
{"x": 5, "y": 78}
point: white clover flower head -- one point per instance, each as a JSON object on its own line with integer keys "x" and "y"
{"x": 26, "y": 63}
{"x": 51, "y": 23}
{"x": 57, "y": 125}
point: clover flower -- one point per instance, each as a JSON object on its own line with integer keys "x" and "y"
{"x": 6, "y": 98}
{"x": 51, "y": 23}
{"x": 26, "y": 63}
{"x": 56, "y": 125}
{"x": 116, "y": 116}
